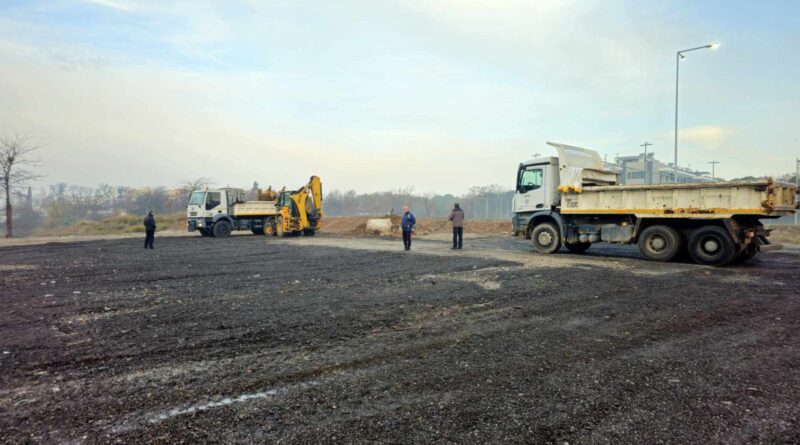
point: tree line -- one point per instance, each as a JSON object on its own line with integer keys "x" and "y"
{"x": 484, "y": 202}
{"x": 64, "y": 204}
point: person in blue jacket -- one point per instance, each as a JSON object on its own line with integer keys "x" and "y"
{"x": 407, "y": 224}
{"x": 149, "y": 230}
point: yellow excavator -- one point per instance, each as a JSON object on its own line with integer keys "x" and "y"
{"x": 299, "y": 211}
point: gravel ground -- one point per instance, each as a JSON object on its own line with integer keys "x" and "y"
{"x": 326, "y": 339}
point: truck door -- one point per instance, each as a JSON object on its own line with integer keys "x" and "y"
{"x": 214, "y": 203}
{"x": 530, "y": 189}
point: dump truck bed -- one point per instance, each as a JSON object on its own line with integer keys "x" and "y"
{"x": 255, "y": 208}
{"x": 763, "y": 198}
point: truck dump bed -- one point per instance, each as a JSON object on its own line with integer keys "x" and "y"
{"x": 255, "y": 208}
{"x": 763, "y": 198}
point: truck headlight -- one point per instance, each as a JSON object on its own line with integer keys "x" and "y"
{"x": 199, "y": 223}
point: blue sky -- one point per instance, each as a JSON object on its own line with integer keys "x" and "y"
{"x": 377, "y": 95}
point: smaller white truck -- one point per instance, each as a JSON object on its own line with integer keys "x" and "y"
{"x": 218, "y": 212}
{"x": 570, "y": 200}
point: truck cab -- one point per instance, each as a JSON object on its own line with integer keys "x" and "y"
{"x": 537, "y": 181}
{"x": 207, "y": 207}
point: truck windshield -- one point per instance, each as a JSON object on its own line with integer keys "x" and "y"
{"x": 197, "y": 198}
{"x": 530, "y": 180}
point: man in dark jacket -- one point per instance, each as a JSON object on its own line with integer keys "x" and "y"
{"x": 407, "y": 224}
{"x": 457, "y": 217}
{"x": 149, "y": 230}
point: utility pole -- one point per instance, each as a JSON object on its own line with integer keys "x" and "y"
{"x": 713, "y": 164}
{"x": 646, "y": 162}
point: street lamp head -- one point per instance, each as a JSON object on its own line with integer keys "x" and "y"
{"x": 714, "y": 45}
{"x": 682, "y": 56}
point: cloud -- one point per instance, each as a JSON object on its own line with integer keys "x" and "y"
{"x": 146, "y": 126}
{"x": 708, "y": 135}
{"x": 441, "y": 94}
{"x": 112, "y": 4}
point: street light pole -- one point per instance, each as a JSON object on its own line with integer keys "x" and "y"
{"x": 796, "y": 182}
{"x": 713, "y": 164}
{"x": 678, "y": 56}
{"x": 646, "y": 166}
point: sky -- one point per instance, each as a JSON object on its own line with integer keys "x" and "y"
{"x": 374, "y": 95}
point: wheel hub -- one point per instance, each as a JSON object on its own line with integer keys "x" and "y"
{"x": 658, "y": 243}
{"x": 711, "y": 245}
{"x": 545, "y": 238}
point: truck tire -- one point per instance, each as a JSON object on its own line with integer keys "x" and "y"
{"x": 546, "y": 238}
{"x": 660, "y": 243}
{"x": 257, "y": 231}
{"x": 712, "y": 246}
{"x": 222, "y": 229}
{"x": 309, "y": 232}
{"x": 577, "y": 247}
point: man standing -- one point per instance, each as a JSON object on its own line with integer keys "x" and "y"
{"x": 149, "y": 230}
{"x": 407, "y": 224}
{"x": 457, "y": 217}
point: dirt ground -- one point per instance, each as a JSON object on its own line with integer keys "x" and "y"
{"x": 340, "y": 339}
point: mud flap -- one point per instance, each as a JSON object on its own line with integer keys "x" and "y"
{"x": 765, "y": 246}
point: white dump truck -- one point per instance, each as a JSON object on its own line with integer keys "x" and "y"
{"x": 571, "y": 200}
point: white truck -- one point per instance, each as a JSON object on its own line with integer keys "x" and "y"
{"x": 218, "y": 212}
{"x": 572, "y": 200}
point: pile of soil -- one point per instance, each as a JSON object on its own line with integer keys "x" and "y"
{"x": 785, "y": 234}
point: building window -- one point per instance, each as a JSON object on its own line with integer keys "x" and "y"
{"x": 635, "y": 175}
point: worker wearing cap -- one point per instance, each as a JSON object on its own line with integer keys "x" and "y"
{"x": 457, "y": 218}
{"x": 407, "y": 224}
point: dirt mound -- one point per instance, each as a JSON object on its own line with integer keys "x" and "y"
{"x": 343, "y": 225}
{"x": 785, "y": 234}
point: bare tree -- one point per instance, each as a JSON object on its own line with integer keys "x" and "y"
{"x": 190, "y": 185}
{"x": 14, "y": 158}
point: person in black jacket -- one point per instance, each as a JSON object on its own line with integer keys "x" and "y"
{"x": 149, "y": 230}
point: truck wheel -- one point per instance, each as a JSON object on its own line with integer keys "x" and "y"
{"x": 712, "y": 246}
{"x": 659, "y": 243}
{"x": 309, "y": 232}
{"x": 222, "y": 229}
{"x": 577, "y": 247}
{"x": 279, "y": 227}
{"x": 546, "y": 238}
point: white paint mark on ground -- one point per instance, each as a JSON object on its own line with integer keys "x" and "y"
{"x": 266, "y": 394}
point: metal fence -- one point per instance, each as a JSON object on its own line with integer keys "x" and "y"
{"x": 487, "y": 208}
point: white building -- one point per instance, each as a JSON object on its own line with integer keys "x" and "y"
{"x": 633, "y": 170}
